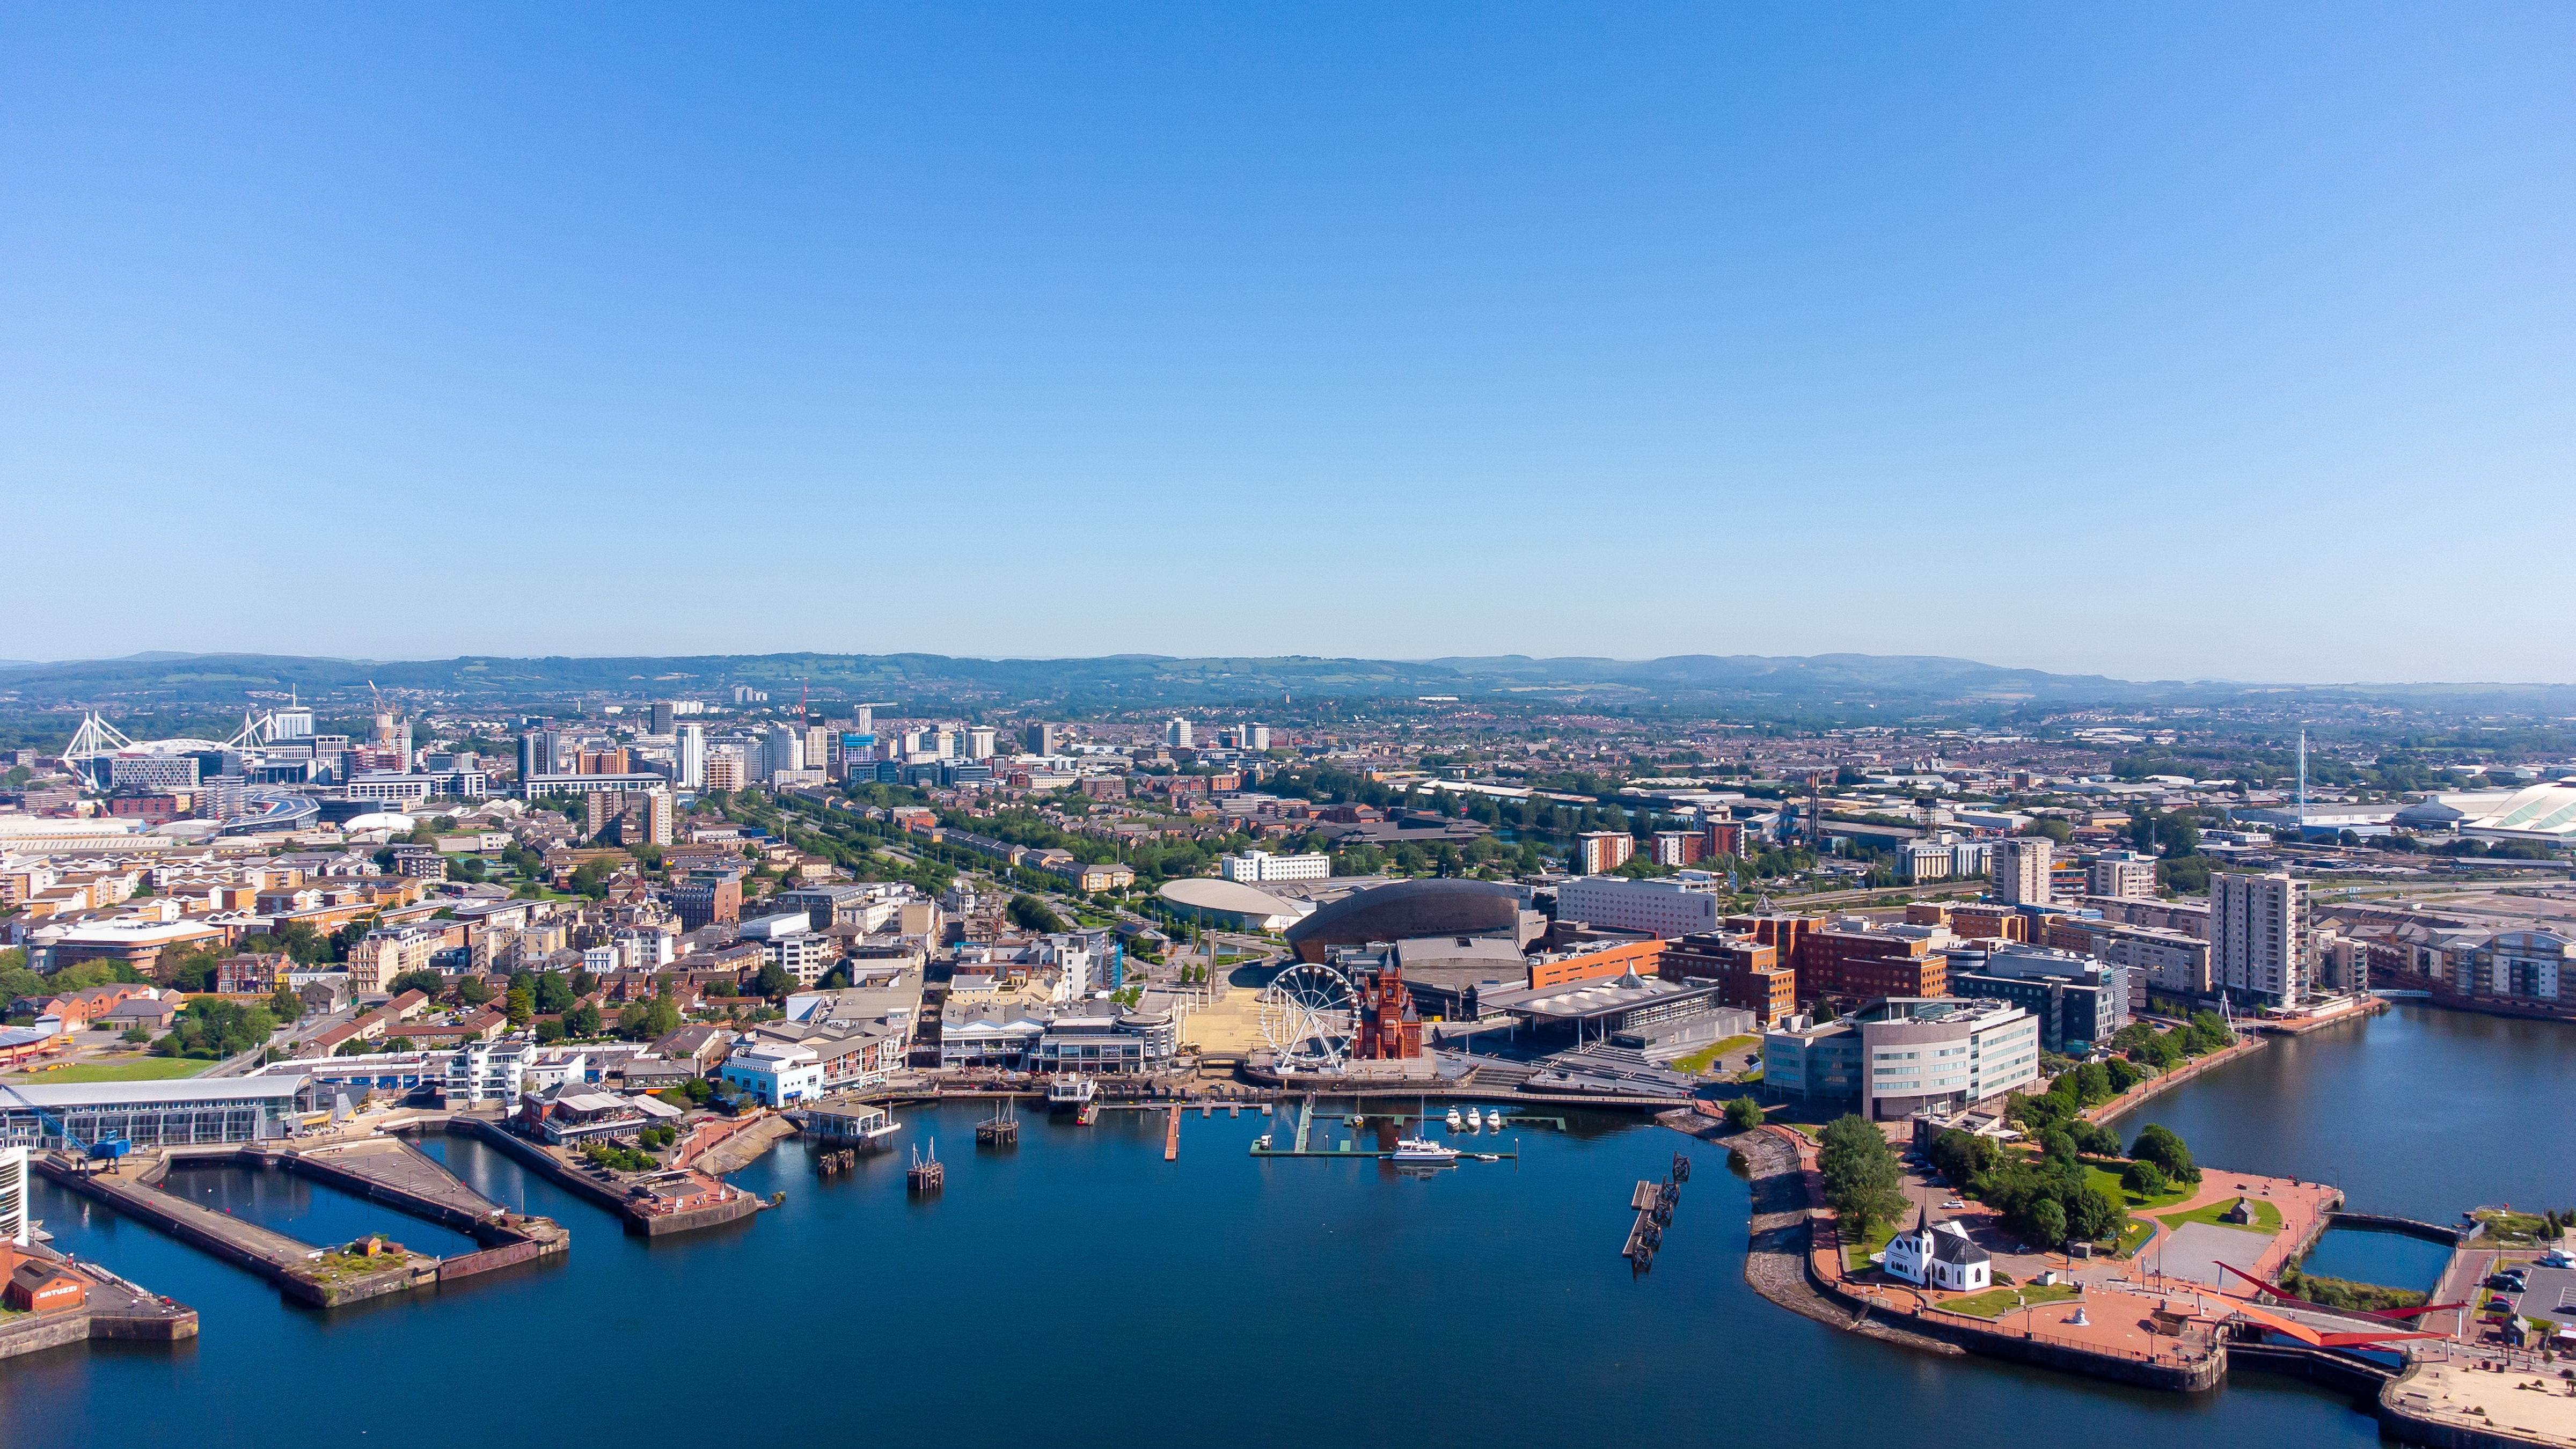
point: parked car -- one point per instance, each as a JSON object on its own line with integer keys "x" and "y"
{"x": 2505, "y": 1282}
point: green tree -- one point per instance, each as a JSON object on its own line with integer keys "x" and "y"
{"x": 2158, "y": 1144}
{"x": 2143, "y": 1179}
{"x": 520, "y": 1006}
{"x": 1743, "y": 1115}
{"x": 2048, "y": 1222}
{"x": 554, "y": 993}
{"x": 472, "y": 990}
{"x": 284, "y": 1004}
{"x": 774, "y": 981}
{"x": 2091, "y": 1213}
{"x": 583, "y": 1021}
{"x": 428, "y": 983}
{"x": 1033, "y": 914}
{"x": 2094, "y": 1138}
{"x": 1860, "y": 1174}
{"x": 2052, "y": 828}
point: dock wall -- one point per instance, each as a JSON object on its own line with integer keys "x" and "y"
{"x": 2448, "y": 1237}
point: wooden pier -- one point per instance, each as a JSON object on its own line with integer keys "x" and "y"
{"x": 1172, "y": 1137}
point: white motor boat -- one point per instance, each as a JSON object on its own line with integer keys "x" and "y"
{"x": 1453, "y": 1119}
{"x": 1422, "y": 1149}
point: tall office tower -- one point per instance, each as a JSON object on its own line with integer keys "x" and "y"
{"x": 661, "y": 720}
{"x": 693, "y": 757}
{"x": 866, "y": 722}
{"x": 1256, "y": 737}
{"x": 1176, "y": 733}
{"x": 2021, "y": 869}
{"x": 818, "y": 748}
{"x": 1041, "y": 739}
{"x": 2258, "y": 936}
{"x": 950, "y": 743}
{"x": 979, "y": 743}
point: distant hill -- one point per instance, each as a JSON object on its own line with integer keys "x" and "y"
{"x": 1827, "y": 683}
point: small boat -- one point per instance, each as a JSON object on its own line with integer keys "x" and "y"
{"x": 1422, "y": 1149}
{"x": 1453, "y": 1119}
{"x": 1474, "y": 1122}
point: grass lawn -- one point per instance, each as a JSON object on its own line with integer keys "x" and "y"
{"x": 2110, "y": 1182}
{"x": 2133, "y": 1235}
{"x": 1996, "y": 1302}
{"x": 2267, "y": 1218}
{"x": 1856, "y": 1255}
{"x": 141, "y": 1069}
{"x": 2511, "y": 1226}
{"x": 1706, "y": 1057}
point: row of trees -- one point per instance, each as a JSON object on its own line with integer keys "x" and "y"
{"x": 2051, "y": 1197}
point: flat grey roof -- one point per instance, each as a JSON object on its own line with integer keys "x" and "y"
{"x": 149, "y": 1094}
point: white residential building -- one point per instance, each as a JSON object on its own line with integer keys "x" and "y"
{"x": 1256, "y": 866}
{"x": 1665, "y": 908}
{"x": 1176, "y": 733}
{"x": 692, "y": 761}
{"x": 2258, "y": 936}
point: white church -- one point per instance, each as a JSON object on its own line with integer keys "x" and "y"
{"x": 1939, "y": 1256}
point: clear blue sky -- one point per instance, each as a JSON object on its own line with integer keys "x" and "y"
{"x": 2155, "y": 340}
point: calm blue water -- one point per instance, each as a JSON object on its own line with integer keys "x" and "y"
{"x": 2391, "y": 1259}
{"x": 2417, "y": 1113}
{"x": 1083, "y": 1291}
{"x": 301, "y": 1208}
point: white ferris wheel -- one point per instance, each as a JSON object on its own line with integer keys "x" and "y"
{"x": 1307, "y": 1017}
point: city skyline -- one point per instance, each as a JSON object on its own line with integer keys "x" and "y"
{"x": 2175, "y": 345}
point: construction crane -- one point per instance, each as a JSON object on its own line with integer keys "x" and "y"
{"x": 106, "y": 1149}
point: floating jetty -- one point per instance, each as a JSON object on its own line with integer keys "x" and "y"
{"x": 1349, "y": 1147}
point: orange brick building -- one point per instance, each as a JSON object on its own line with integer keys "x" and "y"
{"x": 1749, "y": 973}
{"x": 1643, "y": 957}
{"x": 1989, "y": 922}
{"x": 1865, "y": 964}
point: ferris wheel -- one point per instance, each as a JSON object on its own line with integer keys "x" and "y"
{"x": 1306, "y": 1016}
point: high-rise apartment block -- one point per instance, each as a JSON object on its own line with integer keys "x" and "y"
{"x": 1042, "y": 739}
{"x": 1176, "y": 733}
{"x": 2258, "y": 936}
{"x": 725, "y": 771}
{"x": 692, "y": 757}
{"x": 1599, "y": 852}
{"x": 2021, "y": 866}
